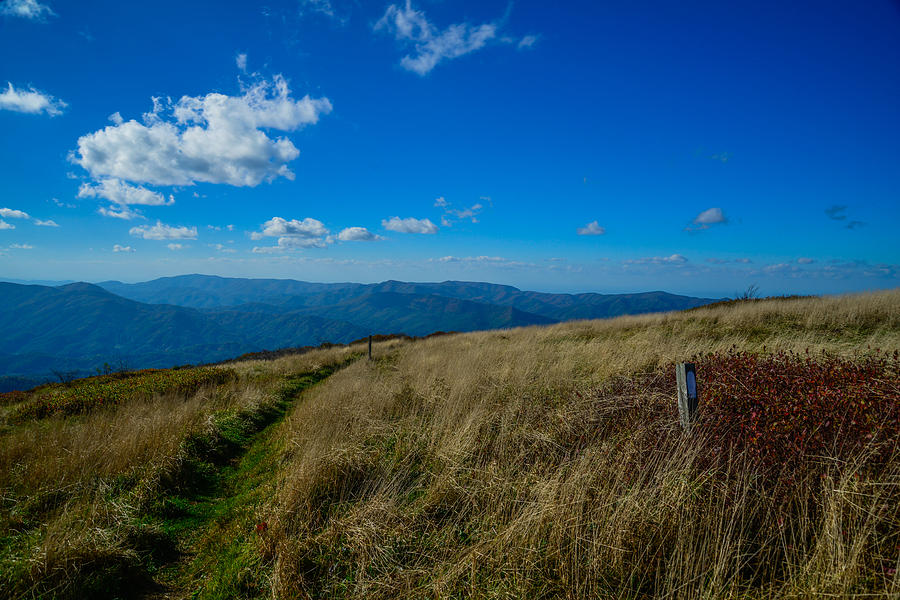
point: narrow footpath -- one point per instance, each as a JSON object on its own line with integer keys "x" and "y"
{"x": 217, "y": 526}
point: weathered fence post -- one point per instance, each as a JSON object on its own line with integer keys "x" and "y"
{"x": 370, "y": 347}
{"x": 688, "y": 399}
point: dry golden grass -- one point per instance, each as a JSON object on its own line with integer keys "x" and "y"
{"x": 508, "y": 464}
{"x": 72, "y": 485}
{"x": 542, "y": 462}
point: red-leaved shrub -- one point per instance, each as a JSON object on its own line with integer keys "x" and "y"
{"x": 783, "y": 408}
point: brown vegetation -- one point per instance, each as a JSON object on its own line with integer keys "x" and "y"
{"x": 537, "y": 462}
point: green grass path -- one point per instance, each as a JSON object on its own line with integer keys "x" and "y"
{"x": 218, "y": 522}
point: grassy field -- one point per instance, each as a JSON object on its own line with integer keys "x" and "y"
{"x": 542, "y": 462}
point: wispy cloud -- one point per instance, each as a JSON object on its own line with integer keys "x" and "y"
{"x": 47, "y": 223}
{"x": 118, "y": 248}
{"x": 240, "y": 62}
{"x": 527, "y": 41}
{"x": 838, "y": 212}
{"x": 176, "y": 246}
{"x": 26, "y": 9}
{"x": 30, "y": 101}
{"x": 430, "y": 45}
{"x": 672, "y": 259}
{"x": 21, "y": 246}
{"x": 592, "y": 228}
{"x": 409, "y": 225}
{"x": 161, "y": 231}
{"x": 451, "y": 215}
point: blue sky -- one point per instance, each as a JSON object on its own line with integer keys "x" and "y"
{"x": 695, "y": 147}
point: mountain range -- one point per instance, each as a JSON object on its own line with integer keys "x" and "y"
{"x": 78, "y": 327}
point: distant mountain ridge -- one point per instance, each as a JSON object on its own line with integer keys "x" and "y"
{"x": 202, "y": 318}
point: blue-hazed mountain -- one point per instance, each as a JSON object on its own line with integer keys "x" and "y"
{"x": 78, "y": 327}
{"x": 203, "y": 291}
{"x": 199, "y": 318}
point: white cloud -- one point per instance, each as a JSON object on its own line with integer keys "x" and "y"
{"x": 10, "y": 213}
{"x": 409, "y": 225}
{"x": 494, "y": 261}
{"x": 123, "y": 195}
{"x": 708, "y": 218}
{"x": 116, "y": 118}
{"x": 222, "y": 248}
{"x": 164, "y": 232}
{"x": 47, "y": 223}
{"x": 241, "y": 61}
{"x": 118, "y": 248}
{"x": 592, "y": 228}
{"x": 358, "y": 234}
{"x": 803, "y": 260}
{"x": 120, "y": 212}
{"x": 5, "y": 225}
{"x": 323, "y": 7}
{"x": 293, "y": 234}
{"x": 21, "y": 247}
{"x": 276, "y": 226}
{"x": 213, "y": 138}
{"x": 431, "y": 46}
{"x": 673, "y": 259}
{"x": 451, "y": 214}
{"x": 175, "y": 246}
{"x": 30, "y": 101}
{"x": 527, "y": 42}
{"x": 26, "y": 9}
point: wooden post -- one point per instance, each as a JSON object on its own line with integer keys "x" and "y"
{"x": 688, "y": 399}
{"x": 370, "y": 347}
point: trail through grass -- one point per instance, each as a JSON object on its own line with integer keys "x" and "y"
{"x": 215, "y": 519}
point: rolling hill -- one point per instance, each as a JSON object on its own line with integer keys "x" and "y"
{"x": 170, "y": 321}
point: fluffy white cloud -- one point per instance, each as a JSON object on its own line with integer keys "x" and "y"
{"x": 409, "y": 225}
{"x": 175, "y": 246}
{"x": 47, "y": 223}
{"x": 10, "y": 213}
{"x": 164, "y": 232}
{"x": 118, "y": 248}
{"x": 276, "y": 227}
{"x": 213, "y": 138}
{"x": 5, "y": 225}
{"x": 30, "y": 101}
{"x": 592, "y": 228}
{"x": 26, "y": 9}
{"x": 123, "y": 194}
{"x": 358, "y": 234}
{"x": 708, "y": 218}
{"x": 293, "y": 234}
{"x": 21, "y": 246}
{"x": 430, "y": 45}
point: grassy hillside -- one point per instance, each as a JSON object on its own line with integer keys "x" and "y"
{"x": 542, "y": 462}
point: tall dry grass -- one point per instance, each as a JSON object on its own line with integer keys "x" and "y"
{"x": 547, "y": 462}
{"x": 72, "y": 487}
